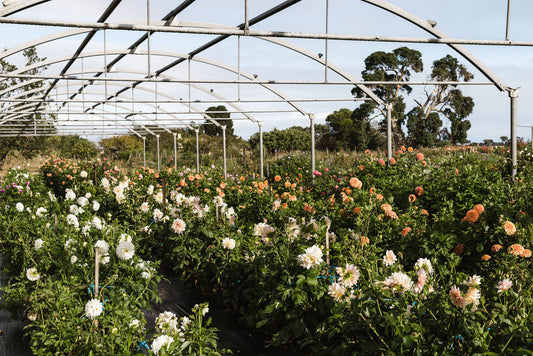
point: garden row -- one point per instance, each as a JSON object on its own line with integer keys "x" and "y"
{"x": 426, "y": 255}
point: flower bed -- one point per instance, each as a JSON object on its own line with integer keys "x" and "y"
{"x": 427, "y": 254}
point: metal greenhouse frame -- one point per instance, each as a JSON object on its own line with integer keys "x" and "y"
{"x": 75, "y": 97}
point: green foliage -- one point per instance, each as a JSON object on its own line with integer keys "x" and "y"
{"x": 291, "y": 139}
{"x": 218, "y": 112}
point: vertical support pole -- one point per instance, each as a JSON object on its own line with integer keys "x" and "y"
{"x": 197, "y": 152}
{"x": 312, "y": 124}
{"x": 326, "y": 49}
{"x": 224, "y": 149}
{"x": 148, "y": 37}
{"x": 34, "y": 125}
{"x": 508, "y": 20}
{"x": 389, "y": 131}
{"x": 513, "y": 94}
{"x": 144, "y": 151}
{"x": 239, "y": 67}
{"x": 175, "y": 152}
{"x": 261, "y": 155}
{"x": 158, "y": 157}
{"x": 532, "y": 136}
{"x": 246, "y": 23}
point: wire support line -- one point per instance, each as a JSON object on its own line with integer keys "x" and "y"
{"x": 250, "y": 33}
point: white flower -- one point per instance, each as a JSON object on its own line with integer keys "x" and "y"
{"x": 228, "y": 243}
{"x": 473, "y": 281}
{"x": 82, "y": 201}
{"x": 104, "y": 259}
{"x": 40, "y": 212}
{"x": 311, "y": 258}
{"x": 83, "y": 174}
{"x": 158, "y": 214}
{"x": 105, "y": 183}
{"x": 73, "y": 220}
{"x": 88, "y": 195}
{"x": 93, "y": 309}
{"x": 178, "y": 226}
{"x": 145, "y": 207}
{"x": 389, "y": 258}
{"x": 504, "y": 285}
{"x": 74, "y": 209}
{"x": 32, "y": 274}
{"x": 125, "y": 250}
{"x": 218, "y": 200}
{"x": 118, "y": 190}
{"x": 336, "y": 291}
{"x": 68, "y": 244}
{"x": 150, "y": 190}
{"x": 19, "y": 207}
{"x": 70, "y": 195}
{"x": 135, "y": 323}
{"x": 96, "y": 205}
{"x": 38, "y": 244}
{"x": 51, "y": 196}
{"x": 425, "y": 264}
{"x": 158, "y": 197}
{"x": 97, "y": 223}
{"x": 73, "y": 259}
{"x": 102, "y": 246}
{"x": 349, "y": 276}
{"x": 166, "y": 322}
{"x": 160, "y": 342}
{"x": 86, "y": 229}
{"x": 399, "y": 282}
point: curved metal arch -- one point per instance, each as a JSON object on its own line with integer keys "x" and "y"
{"x": 19, "y": 6}
{"x": 299, "y": 50}
{"x": 167, "y": 54}
{"x": 440, "y": 34}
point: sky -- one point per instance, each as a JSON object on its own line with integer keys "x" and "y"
{"x": 473, "y": 19}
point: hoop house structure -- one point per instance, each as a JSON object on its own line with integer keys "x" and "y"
{"x": 139, "y": 67}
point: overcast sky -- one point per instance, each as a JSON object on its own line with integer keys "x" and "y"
{"x": 472, "y": 19}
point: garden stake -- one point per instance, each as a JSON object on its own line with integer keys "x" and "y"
{"x": 96, "y": 273}
{"x": 96, "y": 269}
{"x": 55, "y": 222}
{"x": 327, "y": 251}
{"x": 164, "y": 194}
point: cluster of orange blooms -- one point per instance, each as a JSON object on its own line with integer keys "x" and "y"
{"x": 514, "y": 249}
{"x": 473, "y": 214}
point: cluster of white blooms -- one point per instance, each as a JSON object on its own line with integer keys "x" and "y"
{"x": 96, "y": 205}
{"x": 97, "y": 223}
{"x": 73, "y": 220}
{"x": 40, "y": 212}
{"x": 20, "y": 207}
{"x": 160, "y": 342}
{"x": 228, "y": 243}
{"x": 82, "y": 201}
{"x": 399, "y": 282}
{"x": 311, "y": 258}
{"x": 150, "y": 190}
{"x": 125, "y": 249}
{"x": 76, "y": 210}
{"x": 93, "y": 309}
{"x": 166, "y": 323}
{"x": 146, "y": 270}
{"x": 105, "y": 184}
{"x": 69, "y": 194}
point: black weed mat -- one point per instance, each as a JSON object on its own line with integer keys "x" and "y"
{"x": 179, "y": 299}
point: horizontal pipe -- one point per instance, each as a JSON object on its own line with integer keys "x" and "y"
{"x": 209, "y": 81}
{"x": 238, "y": 32}
{"x": 198, "y": 101}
